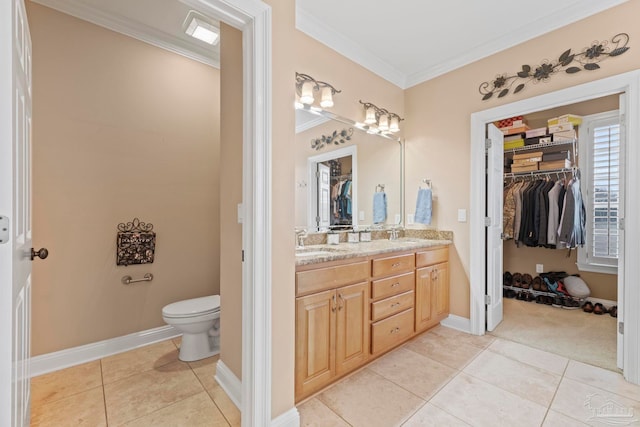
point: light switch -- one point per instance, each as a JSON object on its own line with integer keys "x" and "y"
{"x": 462, "y": 215}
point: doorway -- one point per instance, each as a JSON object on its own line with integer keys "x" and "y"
{"x": 482, "y": 258}
{"x": 253, "y": 18}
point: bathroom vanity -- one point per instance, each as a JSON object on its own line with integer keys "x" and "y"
{"x": 355, "y": 302}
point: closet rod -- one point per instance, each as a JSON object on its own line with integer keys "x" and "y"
{"x": 534, "y": 174}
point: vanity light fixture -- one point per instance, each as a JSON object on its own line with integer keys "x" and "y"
{"x": 383, "y": 121}
{"x": 307, "y": 85}
{"x": 197, "y": 26}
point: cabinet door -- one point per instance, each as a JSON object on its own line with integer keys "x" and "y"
{"x": 315, "y": 342}
{"x": 440, "y": 296}
{"x": 352, "y": 327}
{"x": 425, "y": 316}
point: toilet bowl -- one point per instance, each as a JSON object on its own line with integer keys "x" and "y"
{"x": 199, "y": 321}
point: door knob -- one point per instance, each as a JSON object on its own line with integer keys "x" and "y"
{"x": 42, "y": 253}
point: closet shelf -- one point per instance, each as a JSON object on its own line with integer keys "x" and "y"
{"x": 540, "y": 147}
{"x": 538, "y": 173}
{"x": 536, "y": 293}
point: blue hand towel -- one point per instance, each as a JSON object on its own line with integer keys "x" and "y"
{"x": 379, "y": 207}
{"x": 423, "y": 206}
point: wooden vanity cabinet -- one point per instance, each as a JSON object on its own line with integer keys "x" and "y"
{"x": 332, "y": 326}
{"x": 392, "y": 291}
{"x": 432, "y": 287}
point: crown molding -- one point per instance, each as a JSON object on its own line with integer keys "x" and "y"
{"x": 314, "y": 28}
{"x": 310, "y": 123}
{"x": 542, "y": 26}
{"x": 132, "y": 29}
{"x": 308, "y": 24}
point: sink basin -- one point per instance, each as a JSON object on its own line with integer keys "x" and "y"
{"x": 314, "y": 253}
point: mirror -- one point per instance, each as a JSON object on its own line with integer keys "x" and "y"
{"x": 351, "y": 165}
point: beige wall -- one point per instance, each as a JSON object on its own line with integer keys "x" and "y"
{"x": 438, "y": 119}
{"x": 231, "y": 194}
{"x": 121, "y": 129}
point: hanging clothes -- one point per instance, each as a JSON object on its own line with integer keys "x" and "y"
{"x": 544, "y": 213}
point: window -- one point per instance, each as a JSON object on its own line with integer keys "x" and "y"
{"x": 600, "y": 166}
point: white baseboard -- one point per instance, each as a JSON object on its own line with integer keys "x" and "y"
{"x": 229, "y": 383}
{"x": 607, "y": 303}
{"x": 457, "y": 322}
{"x": 291, "y": 418}
{"x": 55, "y": 361}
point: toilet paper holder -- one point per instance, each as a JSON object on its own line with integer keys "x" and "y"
{"x": 127, "y": 280}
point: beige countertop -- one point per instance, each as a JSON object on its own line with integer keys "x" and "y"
{"x": 314, "y": 254}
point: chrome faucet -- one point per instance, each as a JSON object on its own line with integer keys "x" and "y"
{"x": 393, "y": 234}
{"x": 300, "y": 236}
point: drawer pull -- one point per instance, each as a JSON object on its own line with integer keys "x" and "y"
{"x": 341, "y": 306}
{"x": 395, "y": 285}
{"x": 396, "y": 264}
{"x": 394, "y": 330}
{"x": 395, "y": 304}
{"x": 335, "y": 304}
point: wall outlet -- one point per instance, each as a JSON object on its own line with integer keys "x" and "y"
{"x": 410, "y": 219}
{"x": 397, "y": 219}
{"x": 539, "y": 268}
{"x": 361, "y": 216}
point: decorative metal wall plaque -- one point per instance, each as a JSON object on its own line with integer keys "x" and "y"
{"x": 335, "y": 138}
{"x": 569, "y": 62}
{"x": 136, "y": 243}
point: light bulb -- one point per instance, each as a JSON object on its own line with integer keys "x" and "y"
{"x": 326, "y": 99}
{"x": 370, "y": 116}
{"x": 306, "y": 94}
{"x": 383, "y": 124}
{"x": 394, "y": 126}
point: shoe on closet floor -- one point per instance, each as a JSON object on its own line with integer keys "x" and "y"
{"x": 570, "y": 304}
{"x": 599, "y": 309}
{"x": 613, "y": 312}
{"x": 587, "y": 307}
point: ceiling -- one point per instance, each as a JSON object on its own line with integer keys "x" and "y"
{"x": 405, "y": 42}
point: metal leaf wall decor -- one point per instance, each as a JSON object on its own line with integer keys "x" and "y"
{"x": 336, "y": 138}
{"x": 569, "y": 62}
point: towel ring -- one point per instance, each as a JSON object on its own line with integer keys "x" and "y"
{"x": 428, "y": 182}
{"x": 381, "y": 187}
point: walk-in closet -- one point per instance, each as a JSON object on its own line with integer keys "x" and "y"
{"x": 561, "y": 197}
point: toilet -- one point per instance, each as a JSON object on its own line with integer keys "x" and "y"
{"x": 199, "y": 321}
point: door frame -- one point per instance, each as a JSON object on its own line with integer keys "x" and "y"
{"x": 253, "y": 18}
{"x": 628, "y": 83}
{"x": 312, "y": 191}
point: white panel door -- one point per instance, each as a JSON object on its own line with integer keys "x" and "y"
{"x": 495, "y": 162}
{"x": 324, "y": 196}
{"x": 15, "y": 210}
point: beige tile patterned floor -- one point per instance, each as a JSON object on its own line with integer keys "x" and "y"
{"x": 440, "y": 378}
{"x": 148, "y": 386}
{"x": 449, "y": 378}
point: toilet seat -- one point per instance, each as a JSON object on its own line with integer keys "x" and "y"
{"x": 192, "y": 307}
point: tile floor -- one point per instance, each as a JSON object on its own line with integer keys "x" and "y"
{"x": 440, "y": 378}
{"x": 148, "y": 386}
{"x": 448, "y": 378}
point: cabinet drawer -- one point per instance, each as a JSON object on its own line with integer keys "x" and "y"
{"x": 433, "y": 256}
{"x": 383, "y": 288}
{"x": 391, "y": 305}
{"x": 391, "y": 331}
{"x": 392, "y": 265}
{"x": 331, "y": 277}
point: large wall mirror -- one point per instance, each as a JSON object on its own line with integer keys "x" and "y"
{"x": 336, "y": 184}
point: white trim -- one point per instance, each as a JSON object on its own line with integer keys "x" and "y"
{"x": 229, "y": 383}
{"x": 253, "y": 18}
{"x": 308, "y": 124}
{"x": 318, "y": 30}
{"x": 594, "y": 268}
{"x": 57, "y": 360}
{"x": 291, "y": 418}
{"x": 457, "y": 322}
{"x": 134, "y": 29}
{"x": 628, "y": 82}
